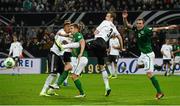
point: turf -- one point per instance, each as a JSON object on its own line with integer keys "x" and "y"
{"x": 127, "y": 89}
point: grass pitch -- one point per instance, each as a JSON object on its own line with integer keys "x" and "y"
{"x": 127, "y": 89}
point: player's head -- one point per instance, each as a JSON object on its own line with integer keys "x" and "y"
{"x": 67, "y": 24}
{"x": 113, "y": 36}
{"x": 140, "y": 23}
{"x": 167, "y": 41}
{"x": 14, "y": 38}
{"x": 74, "y": 28}
{"x": 110, "y": 16}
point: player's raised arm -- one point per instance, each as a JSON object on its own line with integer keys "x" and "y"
{"x": 164, "y": 28}
{"x": 125, "y": 21}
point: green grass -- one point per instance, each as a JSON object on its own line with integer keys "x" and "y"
{"x": 127, "y": 89}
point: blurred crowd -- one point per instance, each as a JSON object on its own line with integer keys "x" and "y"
{"x": 86, "y": 5}
{"x": 38, "y": 40}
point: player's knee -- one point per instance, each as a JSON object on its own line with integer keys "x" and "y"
{"x": 149, "y": 74}
{"x": 68, "y": 67}
{"x": 74, "y": 77}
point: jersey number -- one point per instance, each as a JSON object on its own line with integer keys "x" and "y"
{"x": 110, "y": 32}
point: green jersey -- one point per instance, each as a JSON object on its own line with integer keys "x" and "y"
{"x": 76, "y": 38}
{"x": 143, "y": 37}
{"x": 176, "y": 47}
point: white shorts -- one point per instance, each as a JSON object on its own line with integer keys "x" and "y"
{"x": 78, "y": 65}
{"x": 147, "y": 60}
{"x": 177, "y": 59}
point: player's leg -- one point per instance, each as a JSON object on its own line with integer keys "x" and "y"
{"x": 169, "y": 67}
{"x": 108, "y": 63}
{"x": 60, "y": 69}
{"x": 76, "y": 73}
{"x": 149, "y": 67}
{"x": 67, "y": 67}
{"x": 176, "y": 62}
{"x": 113, "y": 67}
{"x": 51, "y": 76}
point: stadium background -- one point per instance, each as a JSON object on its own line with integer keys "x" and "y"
{"x": 35, "y": 22}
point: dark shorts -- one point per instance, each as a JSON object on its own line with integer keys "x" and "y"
{"x": 56, "y": 64}
{"x": 98, "y": 46}
{"x": 67, "y": 56}
{"x": 113, "y": 58}
{"x": 166, "y": 61}
{"x": 17, "y": 60}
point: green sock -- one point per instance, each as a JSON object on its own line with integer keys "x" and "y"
{"x": 79, "y": 86}
{"x": 62, "y": 77}
{"x": 155, "y": 84}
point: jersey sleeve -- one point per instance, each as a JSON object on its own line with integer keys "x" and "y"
{"x": 149, "y": 31}
{"x": 162, "y": 48}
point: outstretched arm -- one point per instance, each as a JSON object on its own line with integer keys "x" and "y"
{"x": 164, "y": 28}
{"x": 121, "y": 42}
{"x": 125, "y": 21}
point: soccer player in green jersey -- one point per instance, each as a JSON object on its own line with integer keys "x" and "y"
{"x": 78, "y": 61}
{"x": 146, "y": 60}
{"x": 176, "y": 53}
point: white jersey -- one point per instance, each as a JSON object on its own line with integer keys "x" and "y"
{"x": 16, "y": 49}
{"x": 60, "y": 39}
{"x": 114, "y": 42}
{"x": 167, "y": 49}
{"x": 106, "y": 30}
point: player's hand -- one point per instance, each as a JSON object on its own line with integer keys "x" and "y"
{"x": 124, "y": 14}
{"x": 123, "y": 49}
{"x": 172, "y": 26}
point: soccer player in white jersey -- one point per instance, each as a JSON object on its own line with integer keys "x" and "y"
{"x": 56, "y": 63}
{"x": 99, "y": 45}
{"x": 16, "y": 50}
{"x": 166, "y": 51}
{"x": 114, "y": 47}
{"x": 79, "y": 61}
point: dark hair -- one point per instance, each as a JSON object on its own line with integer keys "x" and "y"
{"x": 141, "y": 19}
{"x": 113, "y": 15}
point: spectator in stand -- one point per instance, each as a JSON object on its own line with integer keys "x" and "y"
{"x": 27, "y": 5}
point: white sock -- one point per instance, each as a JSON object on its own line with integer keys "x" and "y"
{"x": 110, "y": 68}
{"x": 105, "y": 79}
{"x": 71, "y": 45}
{"x": 47, "y": 83}
{"x": 113, "y": 68}
{"x": 57, "y": 77}
{"x": 66, "y": 80}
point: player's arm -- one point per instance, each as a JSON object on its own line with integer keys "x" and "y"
{"x": 62, "y": 33}
{"x": 121, "y": 42}
{"x": 125, "y": 21}
{"x": 21, "y": 49}
{"x": 162, "y": 51}
{"x": 155, "y": 29}
{"x": 98, "y": 29}
{"x": 10, "y": 50}
{"x": 82, "y": 47}
{"x": 177, "y": 51}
